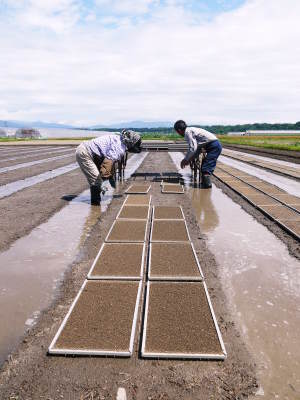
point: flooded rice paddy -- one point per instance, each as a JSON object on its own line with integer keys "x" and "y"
{"x": 33, "y": 267}
{"x": 262, "y": 283}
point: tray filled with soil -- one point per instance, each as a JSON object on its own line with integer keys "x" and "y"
{"x": 180, "y": 322}
{"x": 134, "y": 212}
{"x": 119, "y": 261}
{"x": 127, "y": 231}
{"x": 172, "y": 188}
{"x": 167, "y": 212}
{"x": 174, "y": 261}
{"x": 101, "y": 321}
{"x": 138, "y": 189}
{"x": 138, "y": 200}
{"x": 169, "y": 231}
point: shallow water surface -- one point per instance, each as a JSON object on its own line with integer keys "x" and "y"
{"x": 262, "y": 282}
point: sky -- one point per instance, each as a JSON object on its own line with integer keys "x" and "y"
{"x": 86, "y": 62}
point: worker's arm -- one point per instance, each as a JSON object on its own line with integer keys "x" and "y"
{"x": 192, "y": 143}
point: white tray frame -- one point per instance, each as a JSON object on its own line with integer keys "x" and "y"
{"x": 204, "y": 356}
{"x": 127, "y": 241}
{"x": 169, "y": 241}
{"x": 170, "y": 191}
{"x": 175, "y": 277}
{"x": 95, "y": 352}
{"x": 168, "y": 219}
{"x": 134, "y": 184}
{"x": 137, "y": 205}
{"x": 129, "y": 219}
{"x": 117, "y": 277}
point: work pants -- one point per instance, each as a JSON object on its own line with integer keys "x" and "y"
{"x": 93, "y": 171}
{"x": 213, "y": 150}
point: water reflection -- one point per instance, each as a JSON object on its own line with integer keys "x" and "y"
{"x": 205, "y": 210}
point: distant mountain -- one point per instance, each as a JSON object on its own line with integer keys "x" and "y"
{"x": 32, "y": 124}
{"x": 135, "y": 125}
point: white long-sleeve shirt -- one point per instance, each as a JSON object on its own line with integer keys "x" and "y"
{"x": 195, "y": 136}
{"x": 108, "y": 146}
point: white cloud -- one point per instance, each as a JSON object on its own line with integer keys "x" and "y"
{"x": 242, "y": 66}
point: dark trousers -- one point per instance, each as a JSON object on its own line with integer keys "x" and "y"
{"x": 213, "y": 150}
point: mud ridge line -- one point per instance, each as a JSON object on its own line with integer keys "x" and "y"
{"x": 31, "y": 374}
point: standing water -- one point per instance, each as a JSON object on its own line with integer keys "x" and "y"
{"x": 34, "y": 265}
{"x": 262, "y": 283}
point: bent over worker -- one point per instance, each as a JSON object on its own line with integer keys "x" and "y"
{"x": 198, "y": 139}
{"x": 96, "y": 158}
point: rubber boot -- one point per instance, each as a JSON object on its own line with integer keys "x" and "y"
{"x": 112, "y": 182}
{"x": 206, "y": 181}
{"x": 95, "y": 195}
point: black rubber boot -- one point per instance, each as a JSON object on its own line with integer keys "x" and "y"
{"x": 112, "y": 182}
{"x": 95, "y": 195}
{"x": 206, "y": 182}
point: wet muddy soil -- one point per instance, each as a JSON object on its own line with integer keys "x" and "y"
{"x": 22, "y": 211}
{"x": 31, "y": 374}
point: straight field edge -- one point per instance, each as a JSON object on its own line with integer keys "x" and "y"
{"x": 175, "y": 278}
{"x": 203, "y": 356}
{"x": 170, "y": 241}
{"x": 116, "y": 277}
{"x": 94, "y": 352}
{"x": 127, "y": 241}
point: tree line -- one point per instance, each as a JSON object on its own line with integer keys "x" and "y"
{"x": 218, "y": 129}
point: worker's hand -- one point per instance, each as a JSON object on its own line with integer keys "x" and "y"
{"x": 183, "y": 163}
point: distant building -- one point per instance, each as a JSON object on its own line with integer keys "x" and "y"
{"x": 27, "y": 133}
{"x": 272, "y": 133}
{"x": 236, "y": 133}
{"x": 3, "y": 133}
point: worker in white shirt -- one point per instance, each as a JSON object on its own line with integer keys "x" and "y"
{"x": 198, "y": 139}
{"x": 96, "y": 158}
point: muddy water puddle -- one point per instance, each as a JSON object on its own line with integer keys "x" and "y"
{"x": 33, "y": 267}
{"x": 262, "y": 282}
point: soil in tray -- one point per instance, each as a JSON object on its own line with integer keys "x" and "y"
{"x": 261, "y": 199}
{"x": 128, "y": 231}
{"x": 172, "y": 189}
{"x": 136, "y": 200}
{"x": 179, "y": 320}
{"x": 138, "y": 189}
{"x": 102, "y": 317}
{"x": 288, "y": 198}
{"x": 292, "y": 225}
{"x": 169, "y": 231}
{"x": 281, "y": 212}
{"x": 173, "y": 260}
{"x": 119, "y": 259}
{"x": 165, "y": 212}
{"x": 134, "y": 212}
